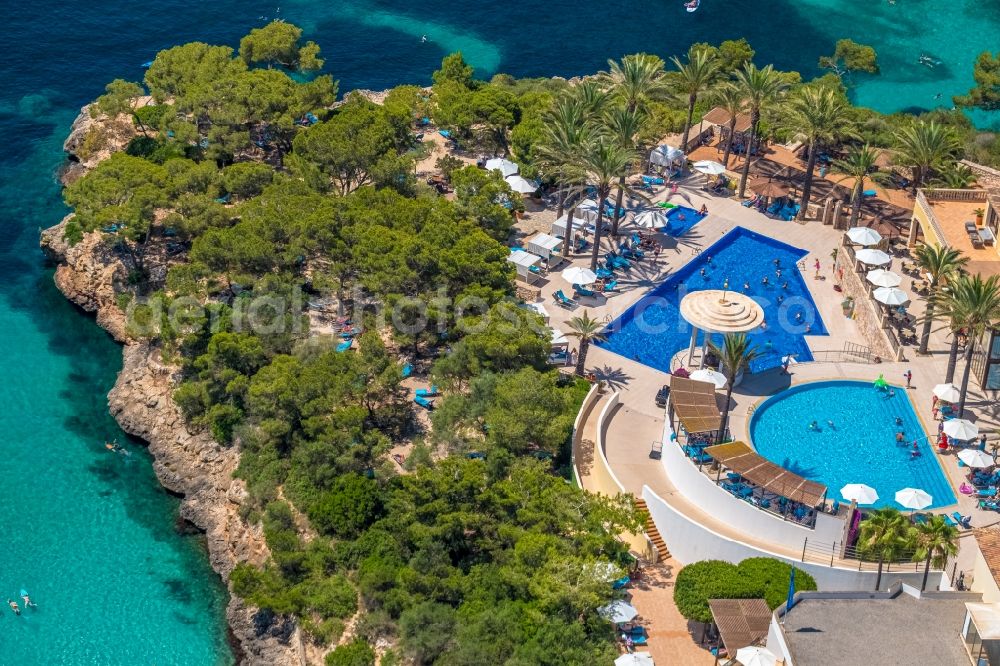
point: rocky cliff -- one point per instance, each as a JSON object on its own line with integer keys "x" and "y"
{"x": 189, "y": 464}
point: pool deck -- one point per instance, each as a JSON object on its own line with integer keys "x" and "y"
{"x": 638, "y": 422}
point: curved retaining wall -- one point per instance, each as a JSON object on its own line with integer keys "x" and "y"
{"x": 690, "y": 542}
{"x": 712, "y": 499}
{"x": 602, "y": 479}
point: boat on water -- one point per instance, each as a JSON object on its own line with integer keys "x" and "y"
{"x": 692, "y": 6}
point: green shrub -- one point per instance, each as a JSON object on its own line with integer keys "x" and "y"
{"x": 246, "y": 179}
{"x": 350, "y": 506}
{"x": 355, "y": 653}
{"x": 332, "y": 597}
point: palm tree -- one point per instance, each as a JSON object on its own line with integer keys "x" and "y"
{"x": 559, "y": 153}
{"x": 974, "y": 304}
{"x": 924, "y": 146}
{"x": 859, "y": 165}
{"x": 626, "y": 126}
{"x": 586, "y": 330}
{"x": 818, "y": 117}
{"x": 637, "y": 79}
{"x": 603, "y": 161}
{"x": 729, "y": 97}
{"x": 886, "y": 533}
{"x": 941, "y": 264}
{"x": 760, "y": 88}
{"x": 696, "y": 76}
{"x": 936, "y": 541}
{"x": 956, "y": 177}
{"x": 735, "y": 354}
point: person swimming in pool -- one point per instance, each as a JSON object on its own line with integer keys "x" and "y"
{"x": 702, "y": 272}
{"x": 777, "y": 262}
{"x": 780, "y": 299}
{"x": 13, "y": 606}
{"x": 777, "y": 273}
{"x": 899, "y": 437}
{"x": 814, "y": 426}
{"x": 784, "y": 285}
{"x": 829, "y": 424}
{"x": 899, "y": 420}
{"x": 746, "y": 286}
{"x": 764, "y": 280}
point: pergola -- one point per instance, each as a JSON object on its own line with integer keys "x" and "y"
{"x": 524, "y": 262}
{"x": 718, "y": 311}
{"x": 695, "y": 404}
{"x": 755, "y": 468}
{"x": 741, "y": 622}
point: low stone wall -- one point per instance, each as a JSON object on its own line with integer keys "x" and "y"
{"x": 864, "y": 313}
{"x": 985, "y": 176}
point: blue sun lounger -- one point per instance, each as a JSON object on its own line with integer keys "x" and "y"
{"x": 427, "y": 393}
{"x": 611, "y": 286}
{"x": 563, "y": 300}
{"x": 344, "y": 346}
{"x": 424, "y": 402}
{"x": 583, "y": 291}
{"x": 620, "y": 583}
{"x": 960, "y": 519}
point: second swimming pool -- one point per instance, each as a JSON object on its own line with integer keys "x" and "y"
{"x": 854, "y": 440}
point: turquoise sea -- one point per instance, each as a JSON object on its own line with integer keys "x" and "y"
{"x": 89, "y": 534}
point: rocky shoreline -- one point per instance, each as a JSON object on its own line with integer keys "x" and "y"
{"x": 191, "y": 465}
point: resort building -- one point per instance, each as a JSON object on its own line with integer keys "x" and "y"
{"x": 898, "y": 626}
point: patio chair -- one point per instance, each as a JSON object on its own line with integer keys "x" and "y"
{"x": 580, "y": 290}
{"x": 562, "y": 300}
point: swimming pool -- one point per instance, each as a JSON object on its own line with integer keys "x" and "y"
{"x": 860, "y": 446}
{"x": 652, "y": 330}
{"x": 681, "y": 219}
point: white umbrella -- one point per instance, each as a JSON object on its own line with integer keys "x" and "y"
{"x": 976, "y": 458}
{"x": 883, "y": 278}
{"x": 635, "y": 659}
{"x": 961, "y": 429}
{"x": 860, "y": 493}
{"x": 651, "y": 219}
{"x": 947, "y": 392}
{"x": 521, "y": 185}
{"x": 618, "y": 612}
{"x": 709, "y": 375}
{"x": 579, "y": 275}
{"x": 891, "y": 296}
{"x": 914, "y": 498}
{"x": 505, "y": 167}
{"x": 755, "y": 656}
{"x": 864, "y": 236}
{"x": 665, "y": 155}
{"x": 873, "y": 257}
{"x": 790, "y": 360}
{"x": 708, "y": 167}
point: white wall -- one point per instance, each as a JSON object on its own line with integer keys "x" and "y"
{"x": 689, "y": 542}
{"x": 742, "y": 515}
{"x": 983, "y": 581}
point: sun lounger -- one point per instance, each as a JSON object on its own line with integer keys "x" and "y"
{"x": 424, "y": 402}
{"x": 989, "y": 505}
{"x": 407, "y": 370}
{"x": 611, "y": 286}
{"x": 475, "y": 455}
{"x": 583, "y": 291}
{"x": 427, "y": 393}
{"x": 345, "y": 345}
{"x": 986, "y": 492}
{"x": 620, "y": 583}
{"x": 563, "y": 300}
{"x": 919, "y": 518}
{"x": 986, "y": 235}
{"x": 604, "y": 273}
{"x": 960, "y": 519}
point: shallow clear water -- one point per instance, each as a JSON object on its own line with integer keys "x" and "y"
{"x": 861, "y": 445}
{"x": 652, "y": 330}
{"x": 90, "y": 534}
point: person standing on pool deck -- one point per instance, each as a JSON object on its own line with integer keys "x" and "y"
{"x": 817, "y": 267}
{"x": 908, "y": 376}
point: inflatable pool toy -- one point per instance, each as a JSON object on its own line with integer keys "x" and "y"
{"x": 880, "y": 383}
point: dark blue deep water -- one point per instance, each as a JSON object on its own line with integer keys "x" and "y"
{"x": 91, "y": 535}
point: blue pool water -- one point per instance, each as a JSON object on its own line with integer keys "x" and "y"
{"x": 859, "y": 448}
{"x": 678, "y": 227}
{"x": 652, "y": 330}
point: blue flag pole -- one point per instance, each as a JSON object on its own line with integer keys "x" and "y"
{"x": 791, "y": 593}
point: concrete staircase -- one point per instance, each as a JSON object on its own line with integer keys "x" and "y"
{"x": 650, "y": 528}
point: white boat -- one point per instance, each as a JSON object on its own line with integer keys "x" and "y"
{"x": 692, "y": 6}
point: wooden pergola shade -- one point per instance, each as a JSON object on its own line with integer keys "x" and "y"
{"x": 757, "y": 469}
{"x": 741, "y": 622}
{"x": 695, "y": 405}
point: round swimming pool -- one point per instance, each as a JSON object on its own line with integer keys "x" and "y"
{"x": 853, "y": 440}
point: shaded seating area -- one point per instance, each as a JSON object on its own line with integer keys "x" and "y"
{"x": 693, "y": 406}
{"x": 739, "y": 622}
{"x": 754, "y": 478}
